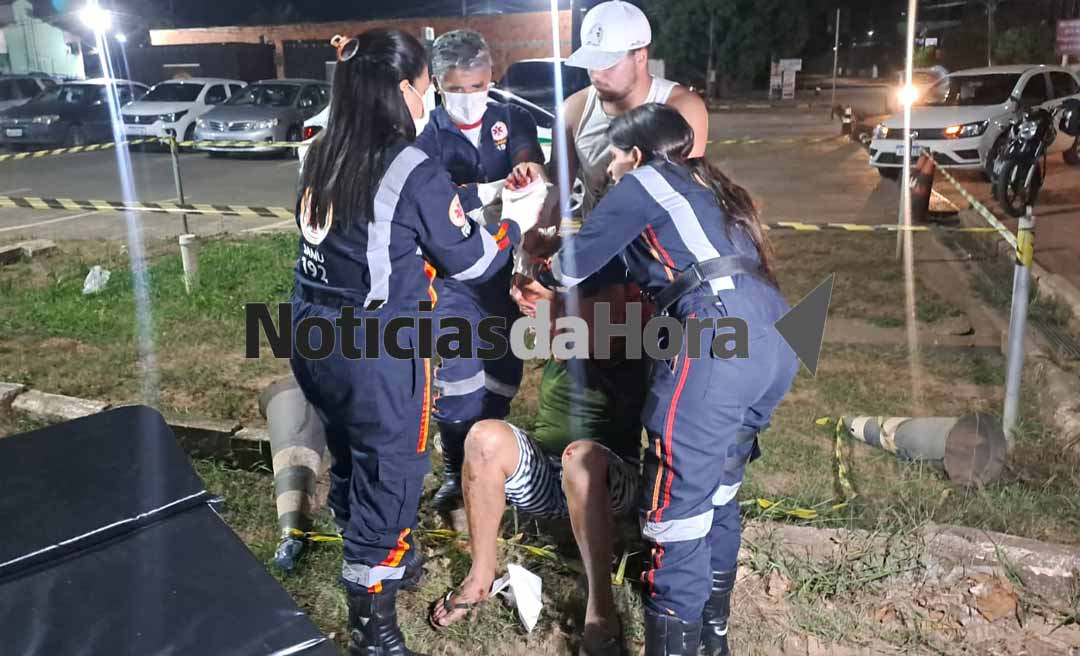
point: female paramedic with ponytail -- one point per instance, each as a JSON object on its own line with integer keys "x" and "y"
{"x": 379, "y": 219}
{"x": 692, "y": 240}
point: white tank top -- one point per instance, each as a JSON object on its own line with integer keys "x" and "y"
{"x": 591, "y": 143}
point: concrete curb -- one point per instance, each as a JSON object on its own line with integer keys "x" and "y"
{"x": 55, "y": 407}
{"x": 226, "y": 441}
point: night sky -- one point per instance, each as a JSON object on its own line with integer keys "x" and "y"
{"x": 153, "y": 13}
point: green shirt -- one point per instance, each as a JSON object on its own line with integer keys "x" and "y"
{"x": 607, "y": 408}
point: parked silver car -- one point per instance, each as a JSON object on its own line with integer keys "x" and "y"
{"x": 263, "y": 113}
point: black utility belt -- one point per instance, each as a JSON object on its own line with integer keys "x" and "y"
{"x": 700, "y": 273}
{"x": 334, "y": 300}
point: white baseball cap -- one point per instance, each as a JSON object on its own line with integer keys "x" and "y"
{"x": 609, "y": 31}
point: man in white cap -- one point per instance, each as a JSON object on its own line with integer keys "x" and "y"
{"x": 615, "y": 38}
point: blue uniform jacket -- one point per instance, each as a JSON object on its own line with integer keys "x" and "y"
{"x": 660, "y": 221}
{"x": 506, "y": 132}
{"x": 420, "y": 228}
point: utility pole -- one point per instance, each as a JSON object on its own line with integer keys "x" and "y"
{"x": 835, "y": 63}
{"x": 991, "y": 9}
{"x": 710, "y": 76}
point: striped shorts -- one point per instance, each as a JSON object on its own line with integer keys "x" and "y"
{"x": 535, "y": 487}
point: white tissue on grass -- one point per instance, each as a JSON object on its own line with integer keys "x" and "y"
{"x": 522, "y": 589}
{"x": 96, "y": 280}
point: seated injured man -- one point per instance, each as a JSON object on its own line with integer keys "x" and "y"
{"x": 580, "y": 461}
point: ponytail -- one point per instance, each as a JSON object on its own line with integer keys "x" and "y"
{"x": 740, "y": 208}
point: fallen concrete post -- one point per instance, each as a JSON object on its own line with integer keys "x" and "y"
{"x": 971, "y": 450}
{"x": 298, "y": 443}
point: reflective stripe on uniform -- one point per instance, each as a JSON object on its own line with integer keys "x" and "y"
{"x": 386, "y": 203}
{"x": 556, "y": 270}
{"x": 679, "y": 530}
{"x": 724, "y": 494}
{"x": 367, "y": 576}
{"x": 478, "y": 381}
{"x": 683, "y": 218}
{"x": 491, "y": 249}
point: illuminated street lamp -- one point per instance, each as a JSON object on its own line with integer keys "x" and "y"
{"x": 121, "y": 37}
{"x": 95, "y": 18}
{"x": 908, "y": 95}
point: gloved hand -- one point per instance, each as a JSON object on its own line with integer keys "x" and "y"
{"x": 523, "y": 206}
{"x": 489, "y": 191}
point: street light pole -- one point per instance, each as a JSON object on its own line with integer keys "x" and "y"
{"x": 835, "y": 64}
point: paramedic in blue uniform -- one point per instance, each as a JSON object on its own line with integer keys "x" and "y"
{"x": 379, "y": 218}
{"x": 692, "y": 240}
{"x": 479, "y": 141}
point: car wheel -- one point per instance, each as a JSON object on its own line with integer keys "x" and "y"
{"x": 889, "y": 173}
{"x": 76, "y": 136}
{"x": 189, "y": 135}
{"x": 992, "y": 156}
{"x": 294, "y": 136}
{"x": 1072, "y": 155}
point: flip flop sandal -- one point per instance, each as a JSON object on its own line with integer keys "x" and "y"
{"x": 450, "y": 606}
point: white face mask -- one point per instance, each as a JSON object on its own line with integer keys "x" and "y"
{"x": 421, "y": 122}
{"x": 466, "y": 108}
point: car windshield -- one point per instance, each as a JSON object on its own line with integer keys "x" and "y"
{"x": 923, "y": 78}
{"x": 174, "y": 92}
{"x": 535, "y": 79}
{"x": 273, "y": 95}
{"x": 73, "y": 94}
{"x": 971, "y": 90}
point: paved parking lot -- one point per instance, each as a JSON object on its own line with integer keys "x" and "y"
{"x": 246, "y": 180}
{"x": 796, "y": 182}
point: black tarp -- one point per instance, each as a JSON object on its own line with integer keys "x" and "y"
{"x": 248, "y": 62}
{"x": 110, "y": 547}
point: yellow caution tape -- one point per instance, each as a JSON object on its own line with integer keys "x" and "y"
{"x": 1025, "y": 247}
{"x": 32, "y": 203}
{"x": 758, "y": 142}
{"x": 37, "y": 154}
{"x": 315, "y": 536}
{"x": 842, "y": 475}
{"x": 981, "y": 210}
{"x": 164, "y": 207}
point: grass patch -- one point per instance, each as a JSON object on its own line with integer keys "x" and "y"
{"x": 57, "y": 340}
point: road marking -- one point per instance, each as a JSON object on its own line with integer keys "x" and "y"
{"x": 11, "y": 192}
{"x": 272, "y": 226}
{"x": 48, "y": 221}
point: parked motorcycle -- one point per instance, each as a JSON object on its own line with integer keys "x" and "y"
{"x": 1021, "y": 169}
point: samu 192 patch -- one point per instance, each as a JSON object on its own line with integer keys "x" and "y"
{"x": 500, "y": 134}
{"x": 457, "y": 212}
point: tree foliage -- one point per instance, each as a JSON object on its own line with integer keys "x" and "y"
{"x": 747, "y": 35}
{"x": 1032, "y": 44}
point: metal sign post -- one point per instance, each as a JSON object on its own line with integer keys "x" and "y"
{"x": 1025, "y": 254}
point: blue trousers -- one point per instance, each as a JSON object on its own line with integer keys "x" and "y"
{"x": 469, "y": 389}
{"x": 376, "y": 413}
{"x": 702, "y": 416}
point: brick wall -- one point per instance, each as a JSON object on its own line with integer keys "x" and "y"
{"x": 512, "y": 37}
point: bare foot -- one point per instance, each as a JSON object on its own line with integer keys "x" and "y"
{"x": 460, "y": 603}
{"x": 602, "y": 637}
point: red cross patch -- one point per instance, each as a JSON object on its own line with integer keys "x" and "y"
{"x": 457, "y": 212}
{"x": 499, "y": 131}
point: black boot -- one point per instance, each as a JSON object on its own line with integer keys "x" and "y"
{"x": 667, "y": 635}
{"x": 373, "y": 625}
{"x": 452, "y": 435}
{"x": 414, "y": 571}
{"x": 714, "y": 626}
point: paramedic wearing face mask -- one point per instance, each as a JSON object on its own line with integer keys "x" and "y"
{"x": 379, "y": 219}
{"x": 479, "y": 142}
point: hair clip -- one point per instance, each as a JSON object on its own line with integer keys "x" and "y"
{"x": 346, "y": 47}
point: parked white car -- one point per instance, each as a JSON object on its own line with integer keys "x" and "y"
{"x": 171, "y": 108}
{"x": 963, "y": 119}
